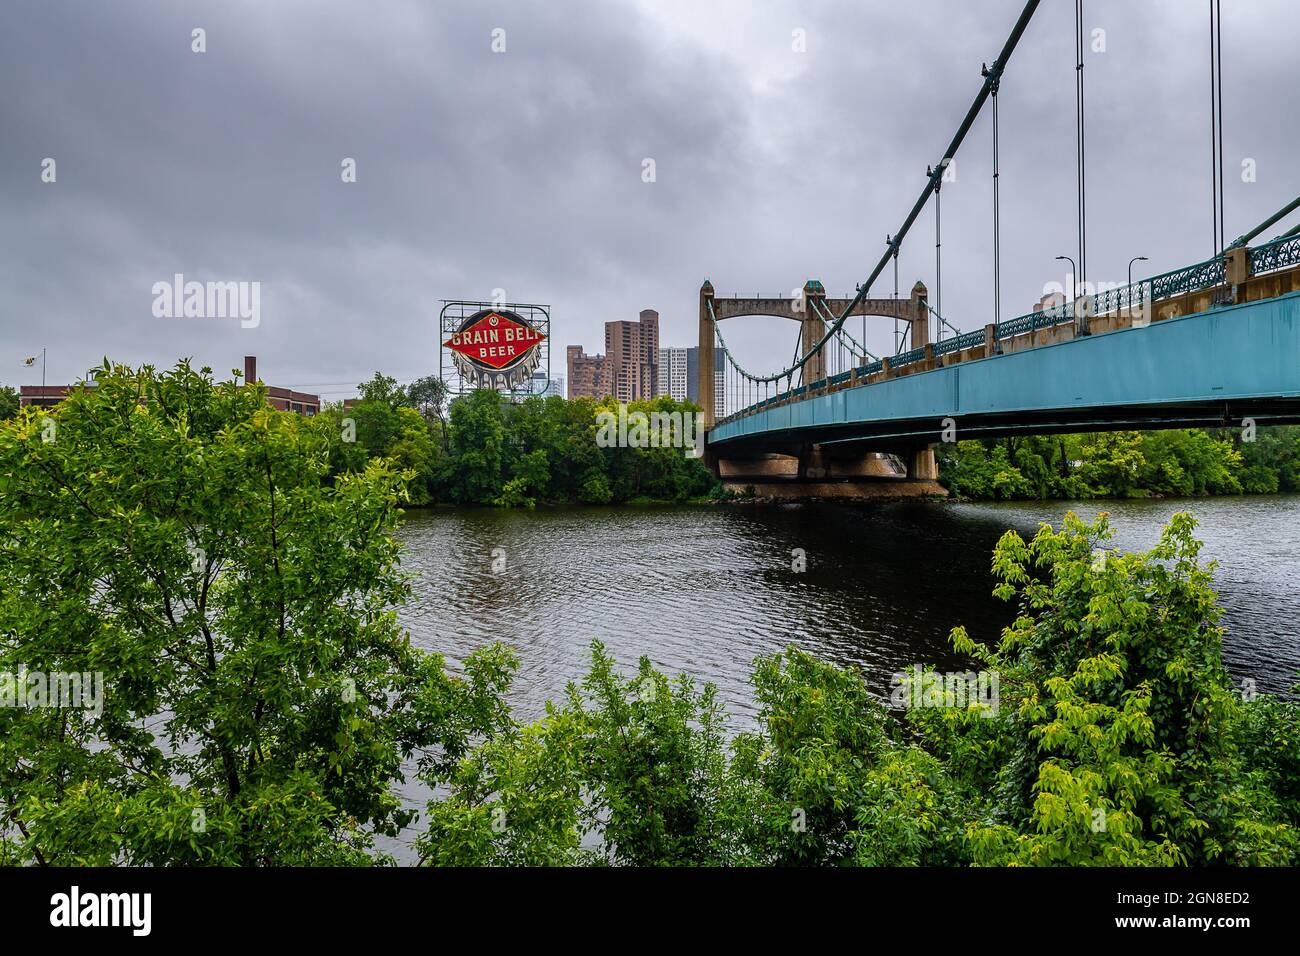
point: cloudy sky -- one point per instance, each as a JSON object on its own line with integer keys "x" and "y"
{"x": 522, "y": 170}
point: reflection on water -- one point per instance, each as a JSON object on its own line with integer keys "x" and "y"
{"x": 707, "y": 589}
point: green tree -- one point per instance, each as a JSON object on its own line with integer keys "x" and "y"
{"x": 384, "y": 390}
{"x": 474, "y": 470}
{"x": 428, "y": 396}
{"x": 640, "y": 762}
{"x": 826, "y": 782}
{"x": 9, "y": 402}
{"x": 1117, "y": 734}
{"x": 179, "y": 536}
{"x": 1112, "y": 463}
{"x": 1190, "y": 462}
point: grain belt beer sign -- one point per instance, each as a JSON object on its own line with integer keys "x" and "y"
{"x": 495, "y": 348}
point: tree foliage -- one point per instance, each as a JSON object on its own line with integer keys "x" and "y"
{"x": 180, "y": 537}
{"x": 9, "y": 402}
{"x": 1180, "y": 462}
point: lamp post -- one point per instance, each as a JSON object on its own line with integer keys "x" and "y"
{"x": 1130, "y": 266}
{"x": 1074, "y": 276}
{"x": 1081, "y": 327}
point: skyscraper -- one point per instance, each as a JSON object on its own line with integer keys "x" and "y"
{"x": 679, "y": 375}
{"x": 543, "y": 387}
{"x": 632, "y": 351}
{"x": 588, "y": 374}
{"x": 629, "y": 368}
{"x": 674, "y": 363}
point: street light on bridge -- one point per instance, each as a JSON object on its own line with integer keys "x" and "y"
{"x": 1074, "y": 277}
{"x": 1080, "y": 321}
{"x": 1130, "y": 266}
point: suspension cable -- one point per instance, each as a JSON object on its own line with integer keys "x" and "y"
{"x": 1082, "y": 153}
{"x": 942, "y": 321}
{"x": 824, "y": 313}
{"x": 938, "y": 245}
{"x": 897, "y": 341}
{"x": 997, "y": 216}
{"x": 1216, "y": 125}
{"x": 932, "y": 185}
{"x": 1214, "y": 149}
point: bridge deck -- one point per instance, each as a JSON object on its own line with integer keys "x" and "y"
{"x": 1201, "y": 369}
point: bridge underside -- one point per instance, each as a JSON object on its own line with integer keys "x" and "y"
{"x": 1211, "y": 368}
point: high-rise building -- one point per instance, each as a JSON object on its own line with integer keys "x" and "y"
{"x": 674, "y": 371}
{"x": 588, "y": 374}
{"x": 629, "y": 368}
{"x": 544, "y": 387}
{"x": 679, "y": 375}
{"x": 632, "y": 351}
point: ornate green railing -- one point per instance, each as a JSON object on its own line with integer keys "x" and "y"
{"x": 1278, "y": 254}
{"x": 1203, "y": 275}
{"x": 956, "y": 343}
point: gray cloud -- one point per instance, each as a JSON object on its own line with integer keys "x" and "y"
{"x": 522, "y": 170}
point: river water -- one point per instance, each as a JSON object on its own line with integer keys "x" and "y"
{"x": 705, "y": 590}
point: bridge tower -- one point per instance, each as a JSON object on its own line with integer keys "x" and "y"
{"x": 919, "y": 317}
{"x": 706, "y": 359}
{"x": 814, "y": 327}
{"x": 921, "y": 465}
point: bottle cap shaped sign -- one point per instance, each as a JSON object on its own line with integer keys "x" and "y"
{"x": 495, "y": 348}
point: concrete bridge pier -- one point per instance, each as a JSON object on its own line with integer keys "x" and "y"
{"x": 814, "y": 464}
{"x": 921, "y": 465}
{"x": 813, "y": 470}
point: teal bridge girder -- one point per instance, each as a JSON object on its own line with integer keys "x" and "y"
{"x": 1209, "y": 368}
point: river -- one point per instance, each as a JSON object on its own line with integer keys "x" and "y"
{"x": 704, "y": 590}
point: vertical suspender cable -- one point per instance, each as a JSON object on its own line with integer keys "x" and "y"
{"x": 1078, "y": 72}
{"x": 1218, "y": 42}
{"x": 897, "y": 343}
{"x": 997, "y": 223}
{"x": 938, "y": 260}
{"x": 1214, "y": 139}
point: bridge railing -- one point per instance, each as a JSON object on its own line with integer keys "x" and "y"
{"x": 1281, "y": 253}
{"x": 956, "y": 343}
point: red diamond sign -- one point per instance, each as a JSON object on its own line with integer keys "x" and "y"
{"x": 494, "y": 339}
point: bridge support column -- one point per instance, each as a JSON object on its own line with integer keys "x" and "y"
{"x": 921, "y": 465}
{"x": 814, "y": 327}
{"x": 991, "y": 347}
{"x": 920, "y": 316}
{"x": 710, "y": 459}
{"x": 1238, "y": 271}
{"x": 707, "y": 404}
{"x": 813, "y": 463}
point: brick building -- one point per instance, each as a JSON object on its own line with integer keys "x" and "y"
{"x": 588, "y": 374}
{"x": 285, "y": 399}
{"x": 628, "y": 370}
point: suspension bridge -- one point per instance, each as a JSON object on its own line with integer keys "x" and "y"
{"x": 1215, "y": 343}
